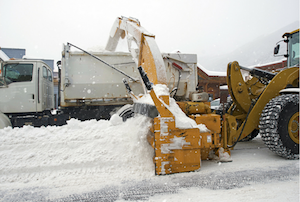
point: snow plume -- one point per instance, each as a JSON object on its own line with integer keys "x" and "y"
{"x": 83, "y": 153}
{"x": 181, "y": 120}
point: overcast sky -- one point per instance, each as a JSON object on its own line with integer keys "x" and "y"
{"x": 203, "y": 27}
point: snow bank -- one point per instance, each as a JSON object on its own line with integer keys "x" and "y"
{"x": 83, "y": 153}
{"x": 92, "y": 156}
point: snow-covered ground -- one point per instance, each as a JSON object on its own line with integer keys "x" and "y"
{"x": 112, "y": 161}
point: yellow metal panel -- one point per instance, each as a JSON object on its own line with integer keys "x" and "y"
{"x": 148, "y": 63}
{"x": 187, "y": 160}
{"x": 195, "y": 107}
{"x": 176, "y": 150}
{"x": 179, "y": 150}
{"x": 152, "y": 61}
{"x": 229, "y": 130}
{"x": 255, "y": 88}
{"x": 211, "y": 121}
{"x": 237, "y": 87}
{"x": 205, "y": 154}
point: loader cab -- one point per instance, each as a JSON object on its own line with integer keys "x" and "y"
{"x": 293, "y": 47}
{"x": 292, "y": 52}
{"x": 26, "y": 86}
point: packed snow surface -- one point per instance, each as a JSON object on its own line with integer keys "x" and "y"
{"x": 76, "y": 154}
{"x": 112, "y": 161}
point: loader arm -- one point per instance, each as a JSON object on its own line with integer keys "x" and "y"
{"x": 251, "y": 97}
{"x": 141, "y": 45}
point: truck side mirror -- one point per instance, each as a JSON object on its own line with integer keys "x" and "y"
{"x": 58, "y": 64}
{"x": 276, "y": 49}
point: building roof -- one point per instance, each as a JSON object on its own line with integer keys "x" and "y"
{"x": 17, "y": 53}
{"x": 211, "y": 73}
{"x": 3, "y": 56}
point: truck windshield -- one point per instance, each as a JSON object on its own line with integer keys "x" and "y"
{"x": 294, "y": 49}
{"x": 17, "y": 72}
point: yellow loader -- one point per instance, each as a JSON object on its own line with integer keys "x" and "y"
{"x": 267, "y": 103}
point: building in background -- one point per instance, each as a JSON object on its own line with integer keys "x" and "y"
{"x": 211, "y": 83}
{"x": 19, "y": 53}
{"x": 273, "y": 66}
{"x": 16, "y": 53}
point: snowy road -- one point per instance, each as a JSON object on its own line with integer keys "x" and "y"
{"x": 105, "y": 161}
{"x": 216, "y": 184}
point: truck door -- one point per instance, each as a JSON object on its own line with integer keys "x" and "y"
{"x": 50, "y": 91}
{"x": 46, "y": 89}
{"x": 18, "y": 89}
{"x": 44, "y": 81}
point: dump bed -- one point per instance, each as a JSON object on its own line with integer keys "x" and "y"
{"x": 86, "y": 80}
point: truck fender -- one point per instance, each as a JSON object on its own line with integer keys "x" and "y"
{"x": 4, "y": 121}
{"x": 290, "y": 90}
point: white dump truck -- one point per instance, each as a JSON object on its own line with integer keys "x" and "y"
{"x": 90, "y": 86}
{"x": 91, "y": 83}
{"x": 27, "y": 94}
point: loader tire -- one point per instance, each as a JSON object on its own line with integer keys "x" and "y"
{"x": 279, "y": 125}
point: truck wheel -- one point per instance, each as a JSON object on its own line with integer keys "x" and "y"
{"x": 279, "y": 125}
{"x": 4, "y": 121}
{"x": 126, "y": 112}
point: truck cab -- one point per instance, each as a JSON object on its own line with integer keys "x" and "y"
{"x": 293, "y": 48}
{"x": 26, "y": 87}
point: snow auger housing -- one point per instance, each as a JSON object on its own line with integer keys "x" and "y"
{"x": 181, "y": 149}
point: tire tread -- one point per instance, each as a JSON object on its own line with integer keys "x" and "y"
{"x": 268, "y": 125}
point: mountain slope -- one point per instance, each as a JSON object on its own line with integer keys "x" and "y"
{"x": 258, "y": 51}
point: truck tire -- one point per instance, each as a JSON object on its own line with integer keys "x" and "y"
{"x": 279, "y": 125}
{"x": 126, "y": 112}
{"x": 4, "y": 121}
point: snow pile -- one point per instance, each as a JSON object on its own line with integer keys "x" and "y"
{"x": 79, "y": 153}
{"x": 221, "y": 157}
{"x": 181, "y": 120}
{"x": 212, "y": 73}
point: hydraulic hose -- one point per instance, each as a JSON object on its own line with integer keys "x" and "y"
{"x": 250, "y": 108}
